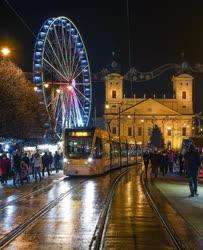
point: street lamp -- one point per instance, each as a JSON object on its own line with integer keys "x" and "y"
{"x": 142, "y": 121}
{"x": 5, "y": 51}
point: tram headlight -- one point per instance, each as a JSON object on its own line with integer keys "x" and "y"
{"x": 65, "y": 160}
{"x": 89, "y": 159}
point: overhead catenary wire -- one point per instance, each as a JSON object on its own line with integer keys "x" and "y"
{"x": 20, "y": 18}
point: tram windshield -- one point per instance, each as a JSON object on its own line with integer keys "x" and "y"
{"x": 79, "y": 145}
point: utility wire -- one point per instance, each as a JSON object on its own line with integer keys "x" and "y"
{"x": 20, "y": 18}
{"x": 129, "y": 43}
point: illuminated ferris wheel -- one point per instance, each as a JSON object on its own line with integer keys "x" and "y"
{"x": 61, "y": 73}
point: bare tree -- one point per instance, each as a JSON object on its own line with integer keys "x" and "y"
{"x": 19, "y": 104}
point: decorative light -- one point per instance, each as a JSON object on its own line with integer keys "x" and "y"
{"x": 129, "y": 116}
{"x": 5, "y": 51}
{"x": 70, "y": 87}
{"x": 35, "y": 88}
{"x": 46, "y": 85}
{"x": 107, "y": 106}
{"x": 58, "y": 91}
{"x": 142, "y": 120}
{"x": 193, "y": 127}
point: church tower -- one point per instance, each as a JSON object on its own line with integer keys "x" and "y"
{"x": 182, "y": 87}
{"x": 114, "y": 88}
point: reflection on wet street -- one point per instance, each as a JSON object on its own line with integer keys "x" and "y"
{"x": 132, "y": 222}
{"x": 71, "y": 223}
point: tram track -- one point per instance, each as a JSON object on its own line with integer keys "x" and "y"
{"x": 98, "y": 239}
{"x": 13, "y": 234}
{"x": 172, "y": 235}
{"x": 31, "y": 193}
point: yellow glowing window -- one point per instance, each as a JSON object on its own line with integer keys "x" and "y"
{"x": 80, "y": 134}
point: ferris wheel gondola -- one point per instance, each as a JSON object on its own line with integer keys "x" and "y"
{"x": 61, "y": 73}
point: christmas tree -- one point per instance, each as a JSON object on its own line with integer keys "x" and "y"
{"x": 156, "y": 137}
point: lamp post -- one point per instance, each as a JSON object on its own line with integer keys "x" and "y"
{"x": 142, "y": 121}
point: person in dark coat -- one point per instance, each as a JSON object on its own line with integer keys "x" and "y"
{"x": 156, "y": 161}
{"x": 45, "y": 163}
{"x": 17, "y": 168}
{"x": 146, "y": 158}
{"x": 57, "y": 161}
{"x": 164, "y": 163}
{"x": 193, "y": 162}
{"x": 50, "y": 161}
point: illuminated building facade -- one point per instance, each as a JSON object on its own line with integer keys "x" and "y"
{"x": 135, "y": 117}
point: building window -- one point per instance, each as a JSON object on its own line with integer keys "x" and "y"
{"x": 169, "y": 132}
{"x": 183, "y": 106}
{"x": 181, "y": 83}
{"x": 187, "y": 83}
{"x": 114, "y": 130}
{"x": 184, "y": 131}
{"x": 184, "y": 95}
{"x": 139, "y": 132}
{"x": 113, "y": 106}
{"x": 129, "y": 131}
{"x": 149, "y": 131}
{"x": 113, "y": 93}
{"x": 116, "y": 83}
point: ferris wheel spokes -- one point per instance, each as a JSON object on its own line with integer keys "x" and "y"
{"x": 61, "y": 69}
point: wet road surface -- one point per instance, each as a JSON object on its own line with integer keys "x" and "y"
{"x": 9, "y": 193}
{"x": 69, "y": 225}
{"x": 132, "y": 222}
{"x": 18, "y": 212}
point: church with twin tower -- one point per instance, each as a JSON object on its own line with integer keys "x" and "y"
{"x": 135, "y": 117}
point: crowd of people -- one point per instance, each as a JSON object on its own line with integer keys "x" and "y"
{"x": 187, "y": 162}
{"x": 21, "y": 167}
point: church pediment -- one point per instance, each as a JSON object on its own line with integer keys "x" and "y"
{"x": 151, "y": 107}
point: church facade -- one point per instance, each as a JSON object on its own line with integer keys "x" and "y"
{"x": 135, "y": 117}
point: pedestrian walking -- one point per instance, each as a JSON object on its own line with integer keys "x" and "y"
{"x": 146, "y": 158}
{"x": 181, "y": 160}
{"x": 37, "y": 161}
{"x": 17, "y": 168}
{"x": 193, "y": 162}
{"x": 45, "y": 163}
{"x": 26, "y": 159}
{"x": 50, "y": 161}
{"x": 32, "y": 165}
{"x": 56, "y": 161}
{"x": 171, "y": 160}
{"x": 24, "y": 171}
{"x": 164, "y": 162}
{"x": 4, "y": 168}
{"x": 156, "y": 160}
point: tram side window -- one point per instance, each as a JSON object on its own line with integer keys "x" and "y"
{"x": 98, "y": 149}
{"x": 132, "y": 150}
{"x": 106, "y": 149}
{"x": 124, "y": 150}
{"x": 115, "y": 150}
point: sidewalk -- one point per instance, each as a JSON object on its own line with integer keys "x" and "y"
{"x": 176, "y": 190}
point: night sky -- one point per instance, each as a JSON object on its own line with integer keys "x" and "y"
{"x": 159, "y": 32}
